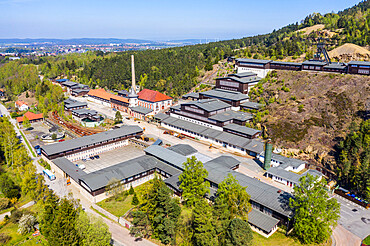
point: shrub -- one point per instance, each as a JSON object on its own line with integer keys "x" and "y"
{"x": 135, "y": 200}
{"x": 26, "y": 223}
{"x": 131, "y": 191}
{"x": 4, "y": 203}
{"x": 4, "y": 238}
{"x": 300, "y": 108}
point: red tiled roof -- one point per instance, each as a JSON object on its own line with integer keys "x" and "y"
{"x": 20, "y": 103}
{"x": 30, "y": 116}
{"x": 119, "y": 98}
{"x": 102, "y": 93}
{"x": 152, "y": 96}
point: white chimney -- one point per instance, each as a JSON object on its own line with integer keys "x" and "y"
{"x": 133, "y": 73}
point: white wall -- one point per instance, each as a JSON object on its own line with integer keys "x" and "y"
{"x": 98, "y": 101}
{"x": 95, "y": 151}
{"x": 260, "y": 72}
{"x": 196, "y": 121}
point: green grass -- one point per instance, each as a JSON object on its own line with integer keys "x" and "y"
{"x": 279, "y": 239}
{"x": 27, "y": 143}
{"x": 22, "y": 201}
{"x": 366, "y": 240}
{"x": 19, "y": 239}
{"x": 119, "y": 208}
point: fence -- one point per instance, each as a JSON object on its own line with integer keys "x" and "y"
{"x": 120, "y": 220}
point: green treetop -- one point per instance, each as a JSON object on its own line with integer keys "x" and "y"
{"x": 315, "y": 214}
{"x": 193, "y": 184}
{"x": 26, "y": 122}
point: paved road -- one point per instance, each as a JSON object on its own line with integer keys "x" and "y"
{"x": 343, "y": 237}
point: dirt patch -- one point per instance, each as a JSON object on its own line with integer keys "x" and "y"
{"x": 30, "y": 100}
{"x": 308, "y": 30}
{"x": 348, "y": 52}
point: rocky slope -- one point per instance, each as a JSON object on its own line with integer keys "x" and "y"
{"x": 310, "y": 112}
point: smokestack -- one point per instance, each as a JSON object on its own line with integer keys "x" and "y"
{"x": 133, "y": 73}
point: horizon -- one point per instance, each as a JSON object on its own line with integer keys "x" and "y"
{"x": 146, "y": 20}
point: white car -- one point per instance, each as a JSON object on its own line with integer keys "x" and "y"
{"x": 82, "y": 166}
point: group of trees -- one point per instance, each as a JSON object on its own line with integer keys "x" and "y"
{"x": 50, "y": 98}
{"x": 354, "y": 159}
{"x": 63, "y": 222}
{"x": 198, "y": 221}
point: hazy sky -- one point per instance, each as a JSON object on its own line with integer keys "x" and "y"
{"x": 154, "y": 19}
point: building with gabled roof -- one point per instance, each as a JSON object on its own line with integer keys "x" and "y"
{"x": 21, "y": 105}
{"x": 154, "y": 100}
{"x": 241, "y": 82}
{"x": 32, "y": 117}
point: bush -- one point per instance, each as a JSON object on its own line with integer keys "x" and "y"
{"x": 135, "y": 200}
{"x": 15, "y": 216}
{"x": 131, "y": 191}
{"x": 4, "y": 238}
{"x": 300, "y": 108}
{"x": 26, "y": 223}
{"x": 4, "y": 203}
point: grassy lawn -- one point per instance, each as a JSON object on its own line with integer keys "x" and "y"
{"x": 22, "y": 201}
{"x": 19, "y": 239}
{"x": 279, "y": 239}
{"x": 27, "y": 143}
{"x": 119, "y": 207}
{"x": 366, "y": 240}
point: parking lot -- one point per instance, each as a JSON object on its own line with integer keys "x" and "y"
{"x": 354, "y": 218}
{"x": 111, "y": 158}
{"x": 36, "y": 131}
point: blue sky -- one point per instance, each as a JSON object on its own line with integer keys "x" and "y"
{"x": 154, "y": 19}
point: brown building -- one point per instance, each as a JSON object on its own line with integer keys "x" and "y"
{"x": 234, "y": 98}
{"x": 241, "y": 82}
{"x": 359, "y": 67}
{"x": 313, "y": 65}
{"x": 286, "y": 65}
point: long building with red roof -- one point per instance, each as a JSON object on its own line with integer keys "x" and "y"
{"x": 32, "y": 117}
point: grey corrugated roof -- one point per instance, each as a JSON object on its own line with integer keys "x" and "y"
{"x": 282, "y": 173}
{"x": 231, "y": 115}
{"x": 254, "y": 145}
{"x": 242, "y": 75}
{"x": 225, "y": 94}
{"x": 209, "y": 105}
{"x": 242, "y": 129}
{"x": 336, "y": 66}
{"x": 253, "y": 60}
{"x": 141, "y": 110}
{"x": 127, "y": 169}
{"x": 75, "y": 104}
{"x": 366, "y": 63}
{"x": 287, "y": 161}
{"x": 243, "y": 80}
{"x": 224, "y": 160}
{"x": 262, "y": 220}
{"x": 192, "y": 95}
{"x": 69, "y": 83}
{"x": 161, "y": 116}
{"x": 166, "y": 155}
{"x": 183, "y": 149}
{"x": 68, "y": 167}
{"x": 252, "y": 105}
{"x": 90, "y": 140}
{"x": 85, "y": 111}
{"x": 313, "y": 62}
{"x": 286, "y": 63}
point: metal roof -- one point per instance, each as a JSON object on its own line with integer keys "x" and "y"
{"x": 242, "y": 75}
{"x": 366, "y": 63}
{"x": 161, "y": 116}
{"x": 183, "y": 149}
{"x": 71, "y": 103}
{"x": 70, "y": 168}
{"x": 254, "y": 145}
{"x": 313, "y": 62}
{"x": 242, "y": 129}
{"x": 336, "y": 66}
{"x": 225, "y": 94}
{"x": 69, "y": 83}
{"x": 231, "y": 115}
{"x": 124, "y": 170}
{"x": 286, "y": 161}
{"x": 252, "y": 105}
{"x": 242, "y": 79}
{"x": 166, "y": 155}
{"x": 85, "y": 111}
{"x": 192, "y": 95}
{"x": 253, "y": 60}
{"x": 85, "y": 141}
{"x": 282, "y": 173}
{"x": 287, "y": 63}
{"x": 142, "y": 110}
{"x": 209, "y": 105}
{"x": 262, "y": 220}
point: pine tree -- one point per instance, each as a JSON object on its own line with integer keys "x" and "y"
{"x": 135, "y": 200}
{"x": 203, "y": 224}
{"x": 239, "y": 233}
{"x": 193, "y": 184}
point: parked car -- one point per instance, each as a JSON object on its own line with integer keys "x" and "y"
{"x": 92, "y": 157}
{"x": 84, "y": 160}
{"x": 97, "y": 157}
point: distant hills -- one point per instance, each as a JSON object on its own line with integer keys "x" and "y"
{"x": 98, "y": 41}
